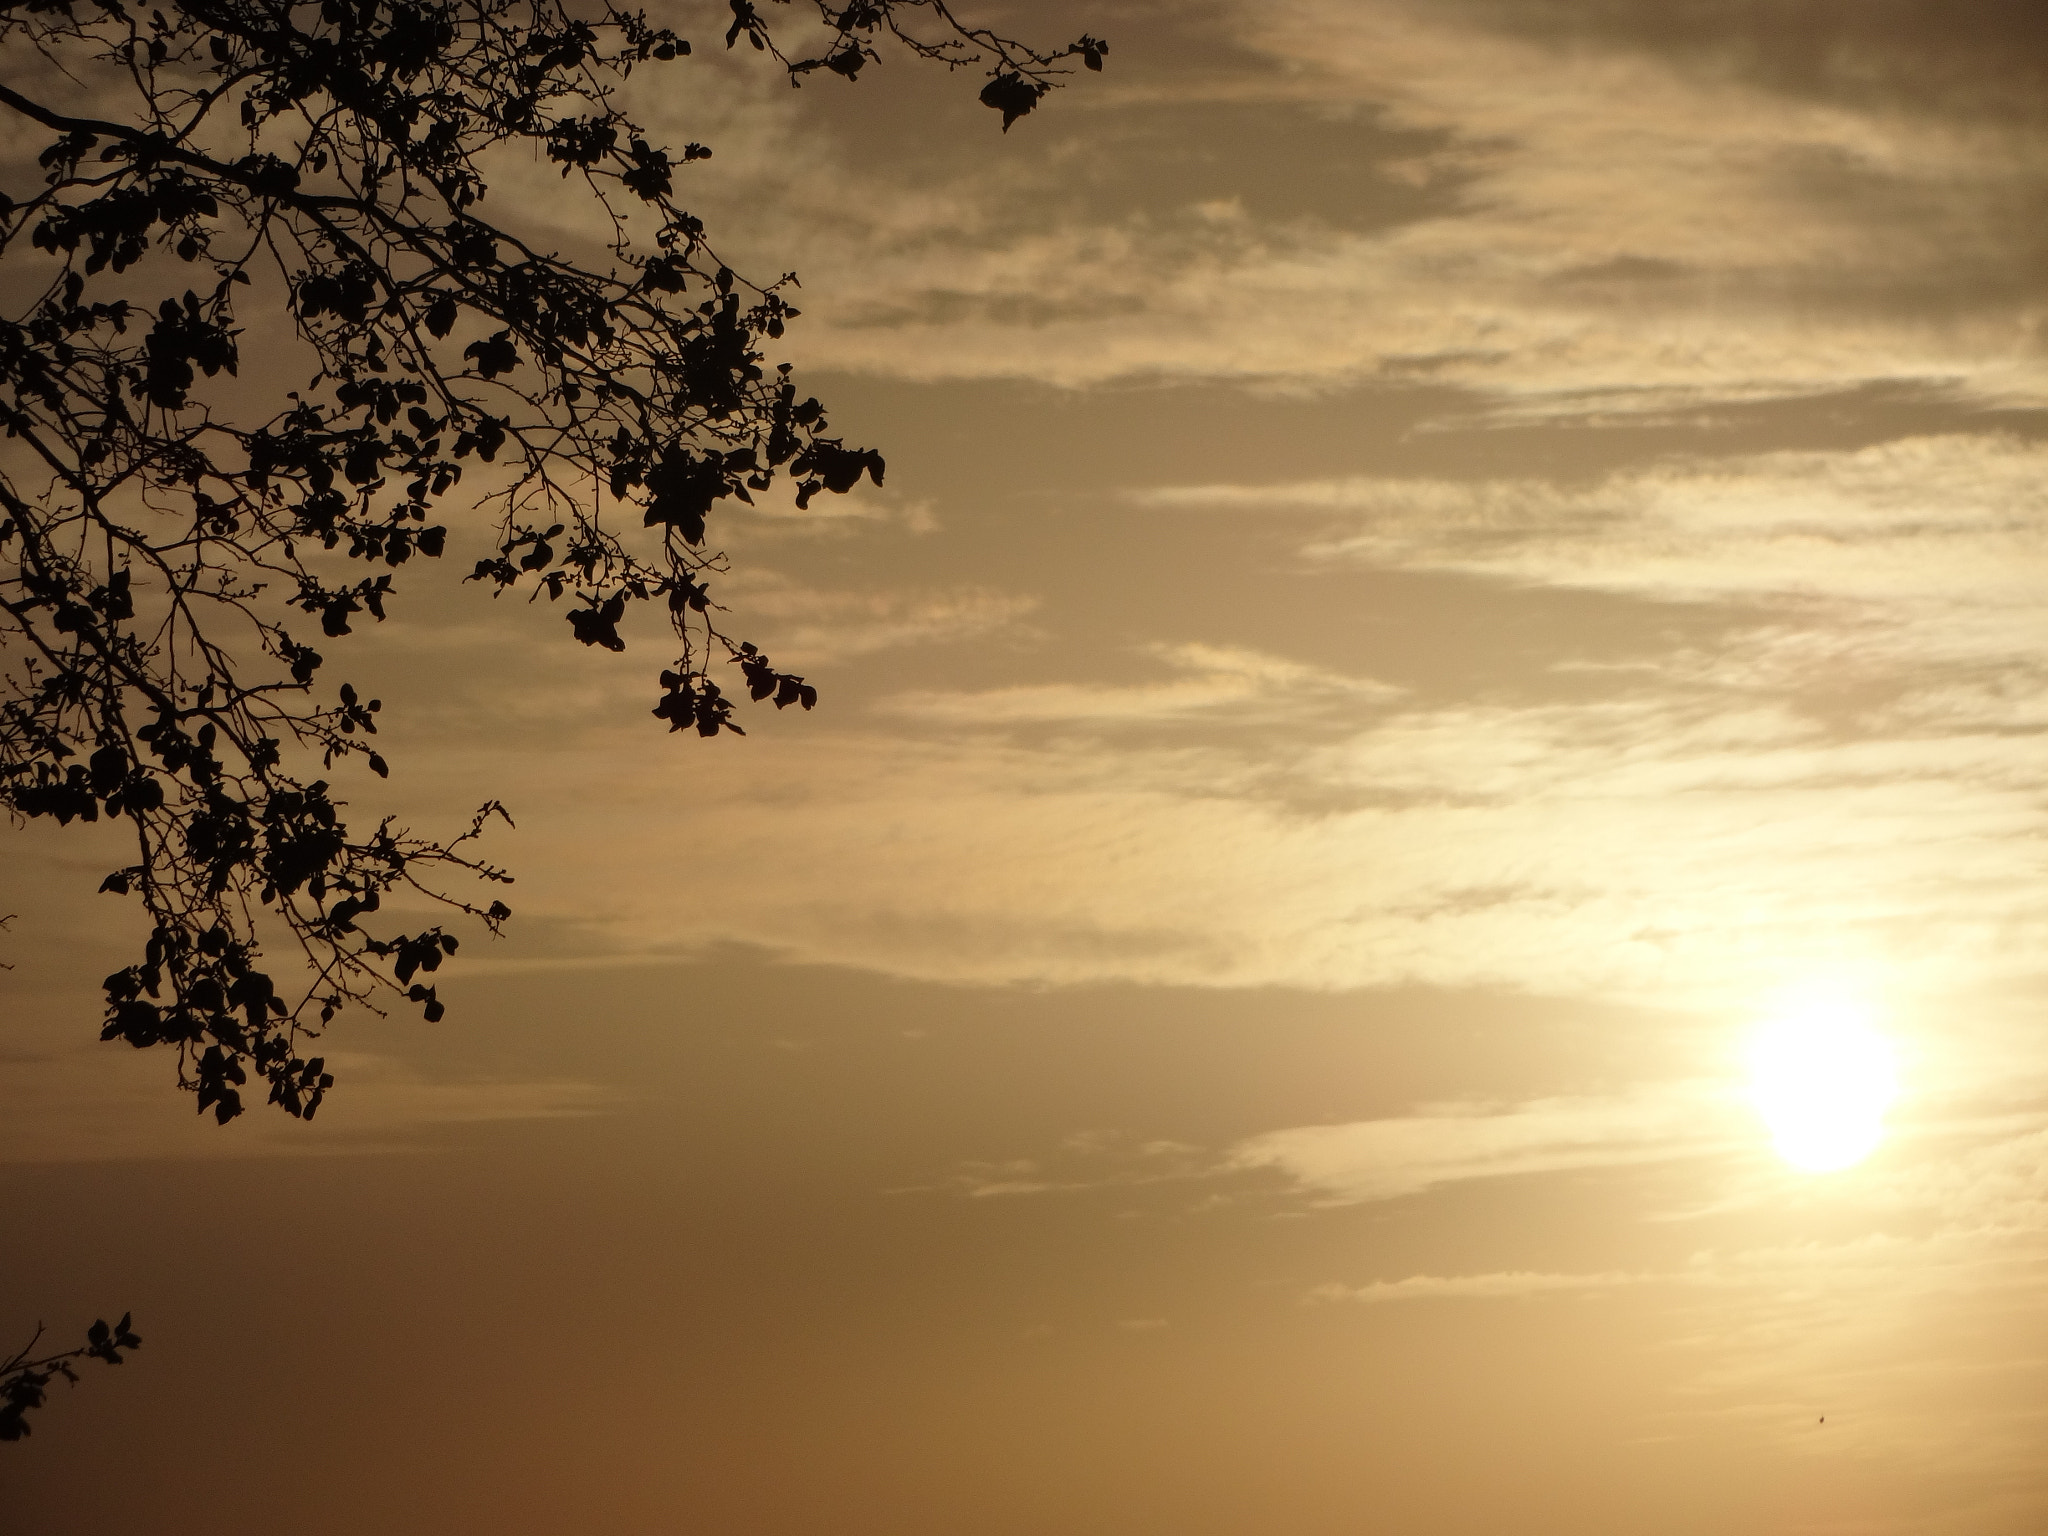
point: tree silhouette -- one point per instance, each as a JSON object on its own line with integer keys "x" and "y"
{"x": 25, "y": 1377}
{"x": 174, "y": 559}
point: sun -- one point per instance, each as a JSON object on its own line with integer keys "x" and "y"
{"x": 1822, "y": 1077}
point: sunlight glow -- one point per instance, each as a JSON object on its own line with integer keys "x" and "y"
{"x": 1822, "y": 1077}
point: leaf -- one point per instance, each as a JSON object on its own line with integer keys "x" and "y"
{"x": 440, "y": 316}
{"x": 1012, "y": 95}
{"x": 494, "y": 355}
{"x": 600, "y": 625}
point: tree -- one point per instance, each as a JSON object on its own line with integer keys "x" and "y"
{"x": 173, "y": 564}
{"x": 25, "y": 1377}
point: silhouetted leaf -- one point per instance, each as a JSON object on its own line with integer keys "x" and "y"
{"x": 1012, "y": 95}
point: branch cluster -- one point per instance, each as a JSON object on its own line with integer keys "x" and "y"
{"x": 25, "y": 1377}
{"x": 175, "y": 566}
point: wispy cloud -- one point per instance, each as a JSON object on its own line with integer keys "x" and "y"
{"x": 1952, "y": 521}
{"x": 1212, "y": 680}
{"x": 1621, "y": 221}
{"x": 1084, "y": 1161}
{"x": 1385, "y": 1159}
{"x": 62, "y": 1107}
{"x": 1497, "y": 1286}
{"x": 814, "y": 626}
{"x": 1649, "y": 847}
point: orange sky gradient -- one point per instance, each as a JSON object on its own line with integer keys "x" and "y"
{"x": 1440, "y": 559}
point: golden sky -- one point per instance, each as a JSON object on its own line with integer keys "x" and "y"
{"x": 1444, "y": 564}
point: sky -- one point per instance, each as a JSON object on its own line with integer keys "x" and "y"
{"x": 1443, "y": 565}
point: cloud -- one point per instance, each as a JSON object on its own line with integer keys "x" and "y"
{"x": 1909, "y": 570}
{"x": 810, "y": 626}
{"x": 1622, "y": 221}
{"x": 66, "y": 1097}
{"x": 1946, "y": 522}
{"x": 1370, "y": 1160}
{"x": 1501, "y": 1285}
{"x": 1936, "y": 1245}
{"x": 1214, "y": 679}
{"x": 70, "y": 1105}
{"x": 1084, "y": 1161}
{"x": 1845, "y": 774}
{"x": 1878, "y": 1328}
{"x": 1674, "y": 846}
